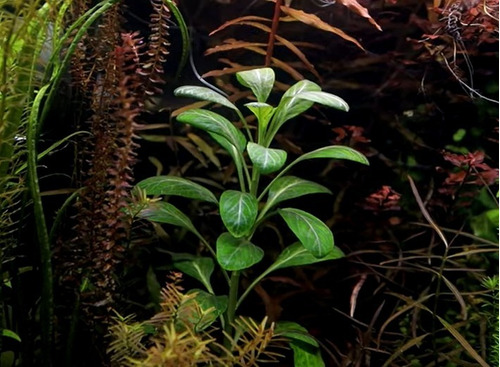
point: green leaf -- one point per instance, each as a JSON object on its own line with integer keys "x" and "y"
{"x": 298, "y": 255}
{"x": 333, "y": 152}
{"x": 263, "y": 112}
{"x": 200, "y": 268}
{"x": 214, "y": 123}
{"x": 162, "y": 212}
{"x": 10, "y": 334}
{"x": 306, "y": 357}
{"x": 228, "y": 147}
{"x": 295, "y": 332}
{"x": 311, "y": 232}
{"x": 290, "y": 187}
{"x": 172, "y": 185}
{"x": 290, "y": 105}
{"x": 7, "y": 358}
{"x": 267, "y": 160}
{"x": 305, "y": 348}
{"x": 485, "y": 225}
{"x": 237, "y": 253}
{"x": 207, "y": 300}
{"x": 201, "y": 309}
{"x": 205, "y": 94}
{"x": 238, "y": 211}
{"x": 260, "y": 81}
{"x": 294, "y": 255}
{"x": 326, "y": 99}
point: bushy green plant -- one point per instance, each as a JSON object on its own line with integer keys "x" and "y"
{"x": 243, "y": 211}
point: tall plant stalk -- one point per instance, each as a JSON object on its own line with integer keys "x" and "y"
{"x": 47, "y": 300}
{"x": 272, "y": 34}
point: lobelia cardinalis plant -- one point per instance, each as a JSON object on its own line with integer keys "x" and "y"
{"x": 243, "y": 211}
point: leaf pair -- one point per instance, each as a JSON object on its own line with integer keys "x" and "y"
{"x": 163, "y": 212}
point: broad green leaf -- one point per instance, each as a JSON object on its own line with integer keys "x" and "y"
{"x": 295, "y": 332}
{"x": 298, "y": 255}
{"x": 326, "y": 99}
{"x": 267, "y": 160}
{"x": 314, "y": 235}
{"x": 238, "y": 211}
{"x": 291, "y": 106}
{"x": 304, "y": 356}
{"x": 163, "y": 212}
{"x": 263, "y": 112}
{"x": 201, "y": 309}
{"x": 237, "y": 253}
{"x": 333, "y": 152}
{"x": 291, "y": 187}
{"x": 214, "y": 123}
{"x": 260, "y": 81}
{"x": 173, "y": 185}
{"x": 203, "y": 93}
{"x": 10, "y": 334}
{"x": 200, "y": 268}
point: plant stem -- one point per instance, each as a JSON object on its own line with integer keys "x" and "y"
{"x": 245, "y": 125}
{"x": 212, "y": 251}
{"x": 252, "y": 286}
{"x": 283, "y": 171}
{"x": 186, "y": 47}
{"x": 231, "y": 306}
{"x": 274, "y": 28}
{"x": 254, "y": 184}
{"x": 60, "y": 213}
{"x": 247, "y": 173}
{"x": 47, "y": 299}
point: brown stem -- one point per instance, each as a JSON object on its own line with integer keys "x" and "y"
{"x": 274, "y": 28}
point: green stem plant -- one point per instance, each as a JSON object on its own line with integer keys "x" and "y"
{"x": 243, "y": 211}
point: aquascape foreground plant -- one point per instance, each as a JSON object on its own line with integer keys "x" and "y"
{"x": 243, "y": 211}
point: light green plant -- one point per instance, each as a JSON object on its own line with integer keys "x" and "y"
{"x": 33, "y": 37}
{"x": 26, "y": 42}
{"x": 491, "y": 314}
{"x": 243, "y": 211}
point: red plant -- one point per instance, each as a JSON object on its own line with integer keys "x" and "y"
{"x": 471, "y": 170}
{"x": 152, "y": 67}
{"x": 350, "y": 135}
{"x": 382, "y": 200}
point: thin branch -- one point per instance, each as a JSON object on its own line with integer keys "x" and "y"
{"x": 274, "y": 28}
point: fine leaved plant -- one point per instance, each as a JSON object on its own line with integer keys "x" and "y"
{"x": 245, "y": 209}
